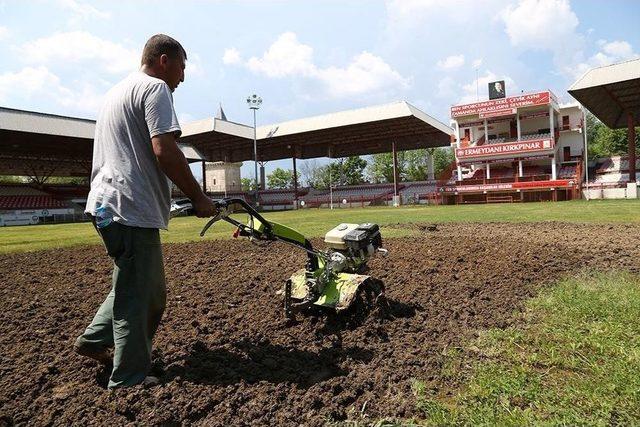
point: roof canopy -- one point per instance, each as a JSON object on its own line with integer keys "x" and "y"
{"x": 38, "y": 144}
{"x": 346, "y": 133}
{"x": 44, "y": 144}
{"x": 610, "y": 91}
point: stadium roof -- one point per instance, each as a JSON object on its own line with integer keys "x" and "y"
{"x": 39, "y": 144}
{"x": 346, "y": 133}
{"x": 44, "y": 144}
{"x": 610, "y": 91}
{"x": 36, "y": 144}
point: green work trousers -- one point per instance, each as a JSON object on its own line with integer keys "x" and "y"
{"x": 129, "y": 317}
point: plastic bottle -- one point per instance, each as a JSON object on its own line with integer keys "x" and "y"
{"x": 103, "y": 217}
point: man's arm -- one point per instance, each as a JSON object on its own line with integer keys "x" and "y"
{"x": 174, "y": 165}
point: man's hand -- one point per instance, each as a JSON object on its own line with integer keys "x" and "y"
{"x": 175, "y": 166}
{"x": 204, "y": 207}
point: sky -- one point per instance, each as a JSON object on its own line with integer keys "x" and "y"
{"x": 308, "y": 57}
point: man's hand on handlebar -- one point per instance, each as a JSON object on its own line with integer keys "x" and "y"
{"x": 204, "y": 207}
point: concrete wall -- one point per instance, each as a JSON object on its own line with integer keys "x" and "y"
{"x": 605, "y": 193}
{"x": 223, "y": 177}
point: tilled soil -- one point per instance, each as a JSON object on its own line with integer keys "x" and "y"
{"x": 229, "y": 358}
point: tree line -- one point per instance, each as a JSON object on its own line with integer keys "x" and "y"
{"x": 354, "y": 170}
{"x": 412, "y": 165}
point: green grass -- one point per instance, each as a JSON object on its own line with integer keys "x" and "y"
{"x": 574, "y": 359}
{"x": 315, "y": 222}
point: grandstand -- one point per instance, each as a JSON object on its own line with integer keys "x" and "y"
{"x": 21, "y": 205}
{"x": 608, "y": 177}
{"x": 515, "y": 149}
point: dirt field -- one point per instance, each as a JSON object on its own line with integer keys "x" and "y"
{"x": 229, "y": 358}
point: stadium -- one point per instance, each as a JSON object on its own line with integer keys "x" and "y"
{"x": 511, "y": 282}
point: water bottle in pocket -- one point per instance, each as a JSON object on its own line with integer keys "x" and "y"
{"x": 103, "y": 217}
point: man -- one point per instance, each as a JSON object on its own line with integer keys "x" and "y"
{"x": 135, "y": 154}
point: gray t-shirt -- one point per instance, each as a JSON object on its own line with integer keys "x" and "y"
{"x": 126, "y": 178}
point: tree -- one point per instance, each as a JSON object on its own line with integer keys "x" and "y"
{"x": 352, "y": 170}
{"x": 280, "y": 179}
{"x": 416, "y": 167}
{"x": 442, "y": 158}
{"x": 381, "y": 167}
{"x": 345, "y": 171}
{"x": 247, "y": 184}
{"x": 412, "y": 165}
{"x": 605, "y": 142}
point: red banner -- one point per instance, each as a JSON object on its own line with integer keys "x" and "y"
{"x": 506, "y": 160}
{"x": 558, "y": 183}
{"x": 501, "y": 106}
{"x": 519, "y": 147}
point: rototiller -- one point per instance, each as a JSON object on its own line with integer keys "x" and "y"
{"x": 332, "y": 278}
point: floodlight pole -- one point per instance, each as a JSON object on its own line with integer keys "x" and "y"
{"x": 255, "y": 155}
{"x": 254, "y": 101}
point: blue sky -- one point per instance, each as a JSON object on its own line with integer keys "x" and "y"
{"x": 308, "y": 57}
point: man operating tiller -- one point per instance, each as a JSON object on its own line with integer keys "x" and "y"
{"x": 135, "y": 156}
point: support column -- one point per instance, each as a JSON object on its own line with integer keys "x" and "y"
{"x": 520, "y": 169}
{"x": 395, "y": 174}
{"x": 488, "y": 171}
{"x": 632, "y": 146}
{"x": 553, "y": 167}
{"x": 430, "y": 166}
{"x": 295, "y": 183}
{"x": 262, "y": 179}
{"x": 518, "y": 127}
{"x": 551, "y": 122}
{"x": 486, "y": 132}
{"x": 204, "y": 176}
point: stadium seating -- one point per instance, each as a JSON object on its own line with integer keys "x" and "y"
{"x": 25, "y": 197}
{"x": 279, "y": 197}
{"x": 356, "y": 193}
{"x": 532, "y": 170}
{"x": 30, "y": 202}
{"x": 566, "y": 172}
{"x": 502, "y": 173}
{"x": 20, "y": 190}
{"x": 533, "y": 136}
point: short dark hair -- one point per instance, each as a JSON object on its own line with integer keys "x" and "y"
{"x": 159, "y": 45}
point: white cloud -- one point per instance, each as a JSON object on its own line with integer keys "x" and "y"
{"x": 618, "y": 49}
{"x": 609, "y": 53}
{"x": 84, "y": 97}
{"x": 78, "y": 47}
{"x": 540, "y": 24}
{"x": 287, "y": 57}
{"x": 28, "y": 81}
{"x": 41, "y": 84}
{"x": 4, "y": 32}
{"x": 194, "y": 66}
{"x": 82, "y": 11}
{"x": 231, "y": 56}
{"x": 366, "y": 73}
{"x": 447, "y": 88}
{"x": 451, "y": 62}
{"x": 477, "y": 63}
